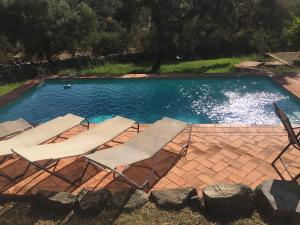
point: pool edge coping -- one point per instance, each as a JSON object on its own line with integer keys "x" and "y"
{"x": 17, "y": 92}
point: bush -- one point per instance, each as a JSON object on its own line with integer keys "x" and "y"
{"x": 292, "y": 33}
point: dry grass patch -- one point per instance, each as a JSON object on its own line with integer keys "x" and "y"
{"x": 24, "y": 214}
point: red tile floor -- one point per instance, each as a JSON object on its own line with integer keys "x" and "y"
{"x": 217, "y": 154}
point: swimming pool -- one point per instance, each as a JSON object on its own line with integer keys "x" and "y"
{"x": 239, "y": 99}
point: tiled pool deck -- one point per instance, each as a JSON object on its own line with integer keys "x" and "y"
{"x": 290, "y": 81}
{"x": 217, "y": 154}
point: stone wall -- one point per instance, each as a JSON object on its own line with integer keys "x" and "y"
{"x": 19, "y": 71}
{"x": 275, "y": 199}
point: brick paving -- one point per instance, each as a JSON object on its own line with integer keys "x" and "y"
{"x": 217, "y": 154}
{"x": 290, "y": 81}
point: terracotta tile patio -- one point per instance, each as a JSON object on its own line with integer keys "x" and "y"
{"x": 290, "y": 81}
{"x": 217, "y": 154}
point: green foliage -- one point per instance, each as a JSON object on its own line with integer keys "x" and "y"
{"x": 292, "y": 33}
{"x": 166, "y": 28}
{"x": 111, "y": 39}
{"x": 48, "y": 27}
{"x": 263, "y": 41}
{"x": 5, "y": 49}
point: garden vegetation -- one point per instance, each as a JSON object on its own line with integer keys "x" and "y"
{"x": 166, "y": 29}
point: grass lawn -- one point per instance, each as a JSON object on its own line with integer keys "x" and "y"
{"x": 5, "y": 88}
{"x": 147, "y": 215}
{"x": 222, "y": 65}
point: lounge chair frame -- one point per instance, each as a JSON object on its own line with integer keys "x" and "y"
{"x": 30, "y": 126}
{"x": 6, "y": 157}
{"x": 117, "y": 173}
{"x": 52, "y": 163}
{"x": 293, "y": 141}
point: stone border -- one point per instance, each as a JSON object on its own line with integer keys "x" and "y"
{"x": 276, "y": 198}
{"x": 150, "y": 76}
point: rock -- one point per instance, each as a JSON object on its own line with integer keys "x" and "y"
{"x": 172, "y": 198}
{"x": 59, "y": 201}
{"x": 279, "y": 199}
{"x": 237, "y": 199}
{"x": 92, "y": 202}
{"x": 274, "y": 64}
{"x": 120, "y": 198}
{"x": 197, "y": 203}
{"x": 248, "y": 66}
{"x": 136, "y": 200}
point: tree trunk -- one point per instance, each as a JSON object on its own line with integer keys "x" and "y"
{"x": 159, "y": 39}
{"x": 159, "y": 52}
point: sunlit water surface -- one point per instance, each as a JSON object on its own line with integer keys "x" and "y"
{"x": 246, "y": 100}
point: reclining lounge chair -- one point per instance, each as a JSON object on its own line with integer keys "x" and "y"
{"x": 40, "y": 134}
{"x": 294, "y": 140}
{"x": 15, "y": 127}
{"x": 78, "y": 145}
{"x": 145, "y": 145}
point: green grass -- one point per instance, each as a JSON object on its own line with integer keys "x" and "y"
{"x": 5, "y": 88}
{"x": 221, "y": 65}
{"x": 117, "y": 69}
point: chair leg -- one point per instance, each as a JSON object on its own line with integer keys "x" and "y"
{"x": 279, "y": 158}
{"x": 16, "y": 178}
{"x": 281, "y": 153}
{"x": 296, "y": 177}
{"x": 139, "y": 186}
{"x": 7, "y": 177}
{"x": 186, "y": 146}
{"x": 58, "y": 175}
{"x": 22, "y": 174}
{"x": 3, "y": 159}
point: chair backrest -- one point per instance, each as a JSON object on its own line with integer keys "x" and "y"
{"x": 287, "y": 125}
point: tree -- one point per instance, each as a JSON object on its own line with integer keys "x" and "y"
{"x": 110, "y": 39}
{"x": 292, "y": 33}
{"x": 48, "y": 27}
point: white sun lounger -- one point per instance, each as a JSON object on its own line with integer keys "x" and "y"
{"x": 78, "y": 145}
{"x": 144, "y": 146}
{"x": 10, "y": 128}
{"x": 41, "y": 133}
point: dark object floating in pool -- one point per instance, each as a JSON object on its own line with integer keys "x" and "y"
{"x": 67, "y": 86}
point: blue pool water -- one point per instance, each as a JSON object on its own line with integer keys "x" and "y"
{"x": 246, "y": 100}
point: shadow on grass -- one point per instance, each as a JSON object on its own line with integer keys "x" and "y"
{"x": 200, "y": 69}
{"x": 27, "y": 213}
{"x": 179, "y": 67}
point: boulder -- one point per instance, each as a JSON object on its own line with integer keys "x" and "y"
{"x": 274, "y": 64}
{"x": 279, "y": 199}
{"x": 136, "y": 200}
{"x": 172, "y": 198}
{"x": 120, "y": 198}
{"x": 236, "y": 199}
{"x": 197, "y": 203}
{"x": 92, "y": 202}
{"x": 60, "y": 201}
